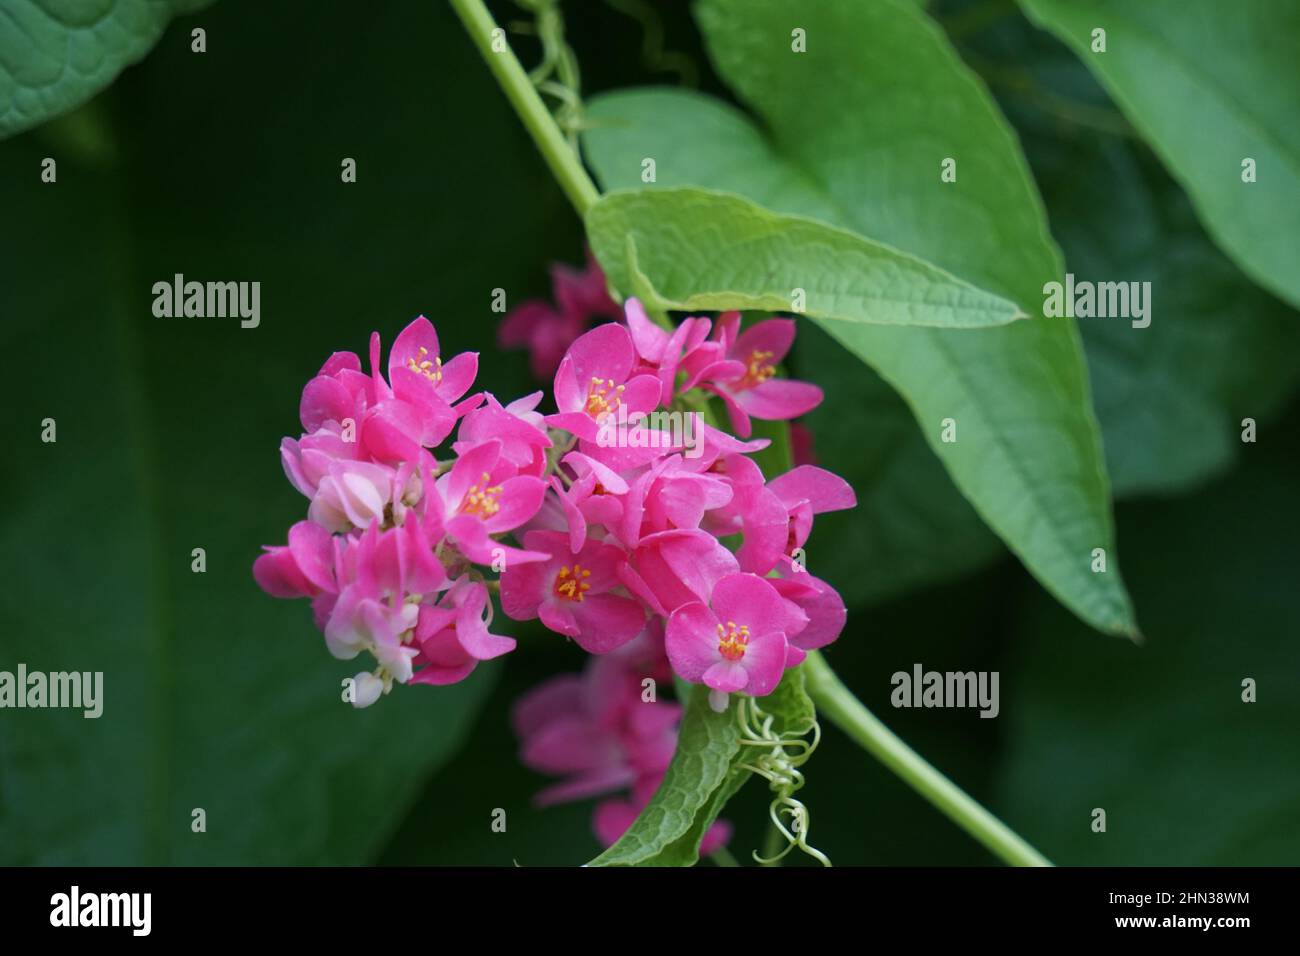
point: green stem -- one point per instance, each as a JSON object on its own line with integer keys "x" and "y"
{"x": 559, "y": 155}
{"x": 838, "y": 703}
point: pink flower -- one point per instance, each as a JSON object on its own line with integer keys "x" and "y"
{"x": 520, "y": 430}
{"x": 353, "y": 494}
{"x": 601, "y": 741}
{"x": 302, "y": 569}
{"x": 453, "y": 635}
{"x": 572, "y": 592}
{"x": 546, "y": 330}
{"x": 737, "y": 641}
{"x": 596, "y": 378}
{"x": 482, "y": 496}
{"x": 818, "y": 600}
{"x": 807, "y": 490}
{"x": 755, "y": 391}
{"x": 671, "y": 568}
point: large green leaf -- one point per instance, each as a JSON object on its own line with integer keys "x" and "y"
{"x": 1171, "y": 396}
{"x": 1210, "y": 84}
{"x": 216, "y": 695}
{"x": 911, "y": 526}
{"x": 703, "y": 250}
{"x": 848, "y": 141}
{"x": 55, "y": 54}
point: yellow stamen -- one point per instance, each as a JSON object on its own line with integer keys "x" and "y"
{"x": 571, "y": 583}
{"x": 482, "y": 501}
{"x": 603, "y": 397}
{"x": 430, "y": 369}
{"x": 732, "y": 640}
{"x": 758, "y": 369}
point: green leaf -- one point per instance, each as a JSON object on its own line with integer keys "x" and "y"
{"x": 55, "y": 54}
{"x": 705, "y": 774}
{"x": 911, "y": 526}
{"x": 1170, "y": 397}
{"x": 1209, "y": 84}
{"x": 706, "y": 744}
{"x": 868, "y": 153}
{"x": 708, "y": 250}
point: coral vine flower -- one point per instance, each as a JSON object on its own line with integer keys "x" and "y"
{"x": 571, "y": 592}
{"x": 737, "y": 641}
{"x": 621, "y": 543}
{"x": 752, "y": 388}
{"x": 546, "y": 330}
{"x": 595, "y": 379}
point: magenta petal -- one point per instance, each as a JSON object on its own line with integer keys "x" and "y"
{"x": 473, "y": 541}
{"x": 750, "y": 600}
{"x": 278, "y": 575}
{"x": 472, "y": 632}
{"x": 765, "y": 662}
{"x": 406, "y": 348}
{"x": 726, "y": 676}
{"x": 606, "y": 621}
{"x": 323, "y": 399}
{"x": 767, "y": 527}
{"x": 313, "y": 552}
{"x": 469, "y": 469}
{"x": 771, "y": 335}
{"x": 522, "y": 587}
{"x": 519, "y": 500}
{"x": 557, "y": 616}
{"x": 592, "y": 784}
{"x": 605, "y": 352}
{"x": 641, "y": 394}
{"x": 561, "y": 696}
{"x": 391, "y": 431}
{"x": 740, "y": 423}
{"x": 338, "y": 362}
{"x": 648, "y": 338}
{"x": 691, "y": 641}
{"x": 458, "y": 376}
{"x": 825, "y": 490}
{"x": 780, "y": 399}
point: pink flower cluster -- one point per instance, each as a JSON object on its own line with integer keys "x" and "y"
{"x": 605, "y": 731}
{"x": 601, "y": 522}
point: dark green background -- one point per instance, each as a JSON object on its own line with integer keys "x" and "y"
{"x": 225, "y": 166}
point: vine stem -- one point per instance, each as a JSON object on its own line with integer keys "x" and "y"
{"x": 847, "y": 712}
{"x": 555, "y": 149}
{"x": 827, "y": 691}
